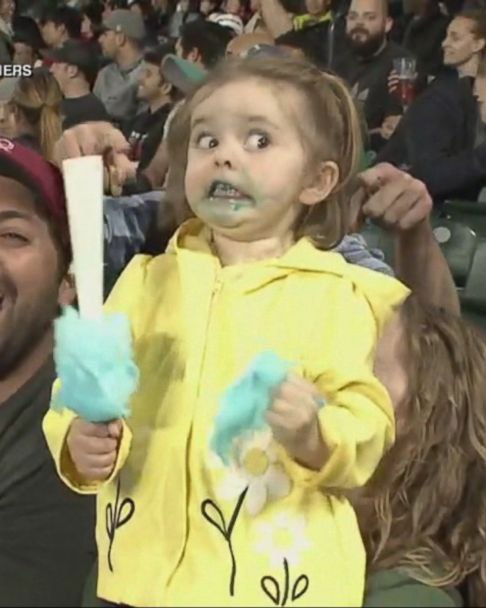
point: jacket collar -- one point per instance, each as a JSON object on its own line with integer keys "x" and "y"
{"x": 192, "y": 240}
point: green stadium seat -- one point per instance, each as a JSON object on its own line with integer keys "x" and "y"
{"x": 471, "y": 214}
{"x": 473, "y": 298}
{"x": 458, "y": 243}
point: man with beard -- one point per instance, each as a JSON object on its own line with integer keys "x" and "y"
{"x": 368, "y": 62}
{"x": 46, "y": 532}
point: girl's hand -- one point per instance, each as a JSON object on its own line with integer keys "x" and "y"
{"x": 293, "y": 418}
{"x": 94, "y": 447}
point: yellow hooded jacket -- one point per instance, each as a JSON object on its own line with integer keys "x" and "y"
{"x": 175, "y": 526}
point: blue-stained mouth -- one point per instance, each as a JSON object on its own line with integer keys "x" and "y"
{"x": 225, "y": 190}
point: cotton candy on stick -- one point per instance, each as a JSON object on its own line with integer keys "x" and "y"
{"x": 93, "y": 350}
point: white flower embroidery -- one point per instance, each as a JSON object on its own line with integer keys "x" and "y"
{"x": 283, "y": 538}
{"x": 257, "y": 468}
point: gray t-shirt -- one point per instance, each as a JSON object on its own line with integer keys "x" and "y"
{"x": 117, "y": 89}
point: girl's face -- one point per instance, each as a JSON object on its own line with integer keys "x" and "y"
{"x": 247, "y": 169}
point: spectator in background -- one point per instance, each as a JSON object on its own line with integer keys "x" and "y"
{"x": 317, "y": 11}
{"x": 75, "y": 67}
{"x": 319, "y": 33}
{"x": 148, "y": 128}
{"x": 117, "y": 83}
{"x": 237, "y": 7}
{"x": 46, "y": 536}
{"x": 92, "y": 20}
{"x": 424, "y": 35}
{"x": 441, "y": 139}
{"x": 7, "y": 10}
{"x": 36, "y": 108}
{"x": 186, "y": 11}
{"x": 145, "y": 9}
{"x": 203, "y": 43}
{"x": 367, "y": 64}
{"x": 60, "y": 24}
{"x": 28, "y": 42}
{"x": 465, "y": 42}
{"x": 210, "y": 7}
{"x": 7, "y": 120}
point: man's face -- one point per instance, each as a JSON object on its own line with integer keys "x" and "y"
{"x": 109, "y": 45}
{"x": 461, "y": 43}
{"x": 7, "y": 10}
{"x": 23, "y": 54}
{"x": 30, "y": 286}
{"x": 150, "y": 82}
{"x": 53, "y": 35}
{"x": 60, "y": 73}
{"x": 367, "y": 27}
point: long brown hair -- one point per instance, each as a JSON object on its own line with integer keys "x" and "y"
{"x": 329, "y": 127}
{"x": 425, "y": 508}
{"x": 38, "y": 99}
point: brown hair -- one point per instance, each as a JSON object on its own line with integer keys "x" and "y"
{"x": 38, "y": 99}
{"x": 330, "y": 131}
{"x": 478, "y": 18}
{"x": 425, "y": 508}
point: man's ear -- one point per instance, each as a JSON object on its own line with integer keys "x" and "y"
{"x": 72, "y": 71}
{"x": 194, "y": 55}
{"x": 480, "y": 44}
{"x": 67, "y": 290}
{"x": 388, "y": 25}
{"x": 166, "y": 88}
{"x": 322, "y": 185}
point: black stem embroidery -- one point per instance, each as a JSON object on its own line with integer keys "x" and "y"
{"x": 115, "y": 518}
{"x": 271, "y": 587}
{"x": 219, "y": 523}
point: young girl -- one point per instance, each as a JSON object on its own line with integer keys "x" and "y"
{"x": 267, "y": 148}
{"x": 423, "y": 514}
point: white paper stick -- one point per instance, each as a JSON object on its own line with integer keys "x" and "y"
{"x": 83, "y": 182}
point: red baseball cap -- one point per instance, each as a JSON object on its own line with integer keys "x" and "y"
{"x": 44, "y": 179}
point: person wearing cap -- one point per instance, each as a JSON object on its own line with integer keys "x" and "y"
{"x": 47, "y": 543}
{"x": 117, "y": 83}
{"x": 75, "y": 67}
{"x": 60, "y": 24}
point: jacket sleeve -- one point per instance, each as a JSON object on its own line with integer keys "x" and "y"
{"x": 357, "y": 420}
{"x": 56, "y": 424}
{"x": 428, "y": 139}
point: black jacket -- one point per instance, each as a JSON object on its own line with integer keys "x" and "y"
{"x": 436, "y": 140}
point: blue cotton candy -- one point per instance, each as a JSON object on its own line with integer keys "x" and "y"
{"x": 244, "y": 404}
{"x": 94, "y": 362}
